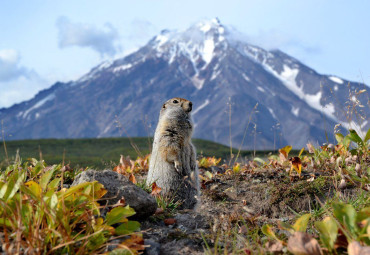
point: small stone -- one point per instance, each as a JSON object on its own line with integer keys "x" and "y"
{"x": 169, "y": 221}
{"x": 342, "y": 184}
{"x": 119, "y": 186}
{"x": 358, "y": 169}
{"x": 153, "y": 248}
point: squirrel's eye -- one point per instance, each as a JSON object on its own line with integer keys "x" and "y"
{"x": 175, "y": 101}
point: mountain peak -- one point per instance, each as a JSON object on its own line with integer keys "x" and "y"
{"x": 213, "y": 25}
{"x": 197, "y": 42}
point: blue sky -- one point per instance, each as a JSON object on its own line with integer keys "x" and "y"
{"x": 42, "y": 42}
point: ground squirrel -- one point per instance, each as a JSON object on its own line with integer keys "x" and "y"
{"x": 173, "y": 161}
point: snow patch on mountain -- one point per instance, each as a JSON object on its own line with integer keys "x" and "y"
{"x": 295, "y": 111}
{"x": 94, "y": 73}
{"x": 196, "y": 43}
{"x": 336, "y": 79}
{"x": 246, "y": 77}
{"x": 198, "y": 83}
{"x": 201, "y": 106}
{"x": 215, "y": 74}
{"x": 38, "y": 104}
{"x": 208, "y": 49}
{"x": 288, "y": 78}
{"x": 161, "y": 39}
{"x": 272, "y": 113}
{"x": 122, "y": 68}
{"x": 260, "y": 89}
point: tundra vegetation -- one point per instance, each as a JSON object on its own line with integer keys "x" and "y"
{"x": 316, "y": 202}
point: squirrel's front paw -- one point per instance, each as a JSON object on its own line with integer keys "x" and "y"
{"x": 178, "y": 166}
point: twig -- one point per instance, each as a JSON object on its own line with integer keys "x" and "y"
{"x": 6, "y": 151}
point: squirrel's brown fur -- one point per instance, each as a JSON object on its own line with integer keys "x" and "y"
{"x": 173, "y": 164}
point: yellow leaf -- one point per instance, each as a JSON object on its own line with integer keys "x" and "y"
{"x": 296, "y": 165}
{"x": 236, "y": 168}
{"x": 34, "y": 187}
{"x": 300, "y": 153}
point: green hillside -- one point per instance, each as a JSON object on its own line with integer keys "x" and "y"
{"x": 102, "y": 152}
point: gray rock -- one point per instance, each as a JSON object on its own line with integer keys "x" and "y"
{"x": 119, "y": 186}
{"x": 216, "y": 170}
{"x": 191, "y": 221}
{"x": 153, "y": 249}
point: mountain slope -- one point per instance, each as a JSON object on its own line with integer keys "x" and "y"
{"x": 208, "y": 65}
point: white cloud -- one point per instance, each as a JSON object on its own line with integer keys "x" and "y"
{"x": 17, "y": 83}
{"x": 101, "y": 40}
{"x": 19, "y": 90}
{"x": 10, "y": 68}
{"x": 274, "y": 39}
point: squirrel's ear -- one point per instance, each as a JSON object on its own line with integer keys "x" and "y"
{"x": 164, "y": 106}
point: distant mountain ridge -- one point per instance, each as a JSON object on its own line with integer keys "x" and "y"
{"x": 210, "y": 66}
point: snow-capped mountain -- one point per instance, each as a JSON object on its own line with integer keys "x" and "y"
{"x": 223, "y": 75}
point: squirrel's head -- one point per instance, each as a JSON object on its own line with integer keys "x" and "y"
{"x": 178, "y": 104}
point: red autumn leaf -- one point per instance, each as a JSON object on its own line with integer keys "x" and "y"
{"x": 119, "y": 169}
{"x": 155, "y": 189}
{"x": 125, "y": 162}
{"x": 132, "y": 179}
{"x": 121, "y": 202}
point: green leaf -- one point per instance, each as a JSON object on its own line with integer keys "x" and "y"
{"x": 54, "y": 184}
{"x": 96, "y": 241}
{"x": 339, "y": 137}
{"x": 363, "y": 214}
{"x": 127, "y": 227}
{"x": 45, "y": 178}
{"x": 301, "y": 223}
{"x": 208, "y": 174}
{"x": 367, "y": 136}
{"x": 259, "y": 160}
{"x": 3, "y": 189}
{"x": 119, "y": 214}
{"x": 121, "y": 251}
{"x": 267, "y": 230}
{"x": 346, "y": 214}
{"x": 354, "y": 137}
{"x": 328, "y": 231}
{"x": 53, "y": 201}
{"x": 13, "y": 185}
{"x": 346, "y": 141}
{"x": 286, "y": 226}
{"x": 76, "y": 189}
{"x": 6, "y": 222}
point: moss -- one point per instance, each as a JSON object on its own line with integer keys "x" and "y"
{"x": 288, "y": 192}
{"x": 177, "y": 234}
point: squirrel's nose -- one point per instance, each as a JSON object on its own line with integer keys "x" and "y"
{"x": 190, "y": 106}
{"x": 187, "y": 106}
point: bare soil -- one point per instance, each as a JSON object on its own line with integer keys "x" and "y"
{"x": 238, "y": 203}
